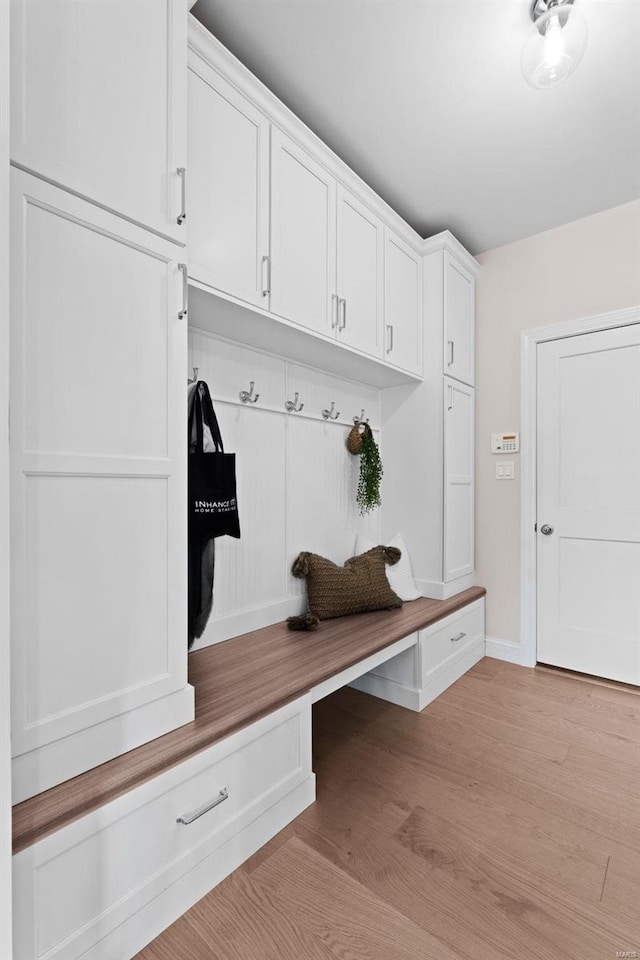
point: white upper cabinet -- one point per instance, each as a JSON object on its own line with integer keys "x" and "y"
{"x": 403, "y": 304}
{"x": 228, "y": 187}
{"x": 98, "y": 102}
{"x": 459, "y": 293}
{"x": 303, "y": 237}
{"x": 458, "y": 479}
{"x": 359, "y": 314}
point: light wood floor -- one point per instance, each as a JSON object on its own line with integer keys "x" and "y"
{"x": 502, "y": 822}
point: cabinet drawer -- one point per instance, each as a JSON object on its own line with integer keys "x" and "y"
{"x": 75, "y": 886}
{"x": 448, "y": 638}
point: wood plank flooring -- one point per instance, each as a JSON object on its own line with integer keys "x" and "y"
{"x": 502, "y": 822}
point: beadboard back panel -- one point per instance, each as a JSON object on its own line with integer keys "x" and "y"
{"x": 296, "y": 481}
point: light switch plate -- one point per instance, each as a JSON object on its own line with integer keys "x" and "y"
{"x": 504, "y": 470}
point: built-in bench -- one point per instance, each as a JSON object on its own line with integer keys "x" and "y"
{"x": 247, "y": 755}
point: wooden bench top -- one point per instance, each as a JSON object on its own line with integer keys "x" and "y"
{"x": 236, "y": 683}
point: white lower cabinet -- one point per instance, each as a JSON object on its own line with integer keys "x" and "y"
{"x": 98, "y": 486}
{"x": 107, "y": 884}
{"x": 442, "y": 653}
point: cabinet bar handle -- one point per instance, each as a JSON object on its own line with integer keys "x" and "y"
{"x": 266, "y": 284}
{"x": 188, "y": 818}
{"x": 335, "y": 309}
{"x": 185, "y": 291}
{"x": 182, "y": 216}
{"x": 451, "y": 349}
{"x": 459, "y": 637}
{"x": 389, "y": 337}
{"x": 342, "y": 304}
{"x": 450, "y": 404}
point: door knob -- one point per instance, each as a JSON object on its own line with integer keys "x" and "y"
{"x": 546, "y": 529}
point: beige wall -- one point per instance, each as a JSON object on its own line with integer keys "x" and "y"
{"x": 578, "y": 270}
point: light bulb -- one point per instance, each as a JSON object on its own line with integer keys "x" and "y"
{"x": 555, "y": 45}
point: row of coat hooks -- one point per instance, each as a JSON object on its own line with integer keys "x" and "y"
{"x": 294, "y": 406}
{"x": 291, "y": 406}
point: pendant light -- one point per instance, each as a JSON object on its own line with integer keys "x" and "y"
{"x": 555, "y": 44}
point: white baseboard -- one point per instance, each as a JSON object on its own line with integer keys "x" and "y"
{"x": 437, "y": 590}
{"x": 140, "y": 929}
{"x": 389, "y": 690}
{"x": 503, "y": 650}
{"x": 63, "y": 759}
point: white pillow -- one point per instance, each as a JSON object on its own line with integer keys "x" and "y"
{"x": 399, "y": 575}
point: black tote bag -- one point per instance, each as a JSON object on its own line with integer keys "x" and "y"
{"x": 213, "y": 507}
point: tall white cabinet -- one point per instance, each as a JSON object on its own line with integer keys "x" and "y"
{"x": 458, "y": 476}
{"x": 98, "y": 390}
{"x": 428, "y": 431}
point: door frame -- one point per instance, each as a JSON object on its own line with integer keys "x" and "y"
{"x": 528, "y": 493}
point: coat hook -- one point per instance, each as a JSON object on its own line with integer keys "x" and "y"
{"x": 292, "y": 406}
{"x": 195, "y": 376}
{"x": 329, "y": 414}
{"x": 361, "y": 418}
{"x": 248, "y": 396}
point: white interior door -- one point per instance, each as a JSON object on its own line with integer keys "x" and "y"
{"x": 98, "y": 93}
{"x": 588, "y": 510}
{"x": 458, "y": 480}
{"x": 360, "y": 275}
{"x": 303, "y": 237}
{"x": 228, "y": 187}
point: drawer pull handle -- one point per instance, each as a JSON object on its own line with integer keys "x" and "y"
{"x": 459, "y": 637}
{"x": 190, "y": 817}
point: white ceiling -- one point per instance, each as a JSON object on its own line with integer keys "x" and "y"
{"x": 426, "y": 101}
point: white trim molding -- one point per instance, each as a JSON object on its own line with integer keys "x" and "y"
{"x": 5, "y": 726}
{"x": 503, "y": 650}
{"x": 528, "y": 403}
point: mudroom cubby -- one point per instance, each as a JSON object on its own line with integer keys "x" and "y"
{"x": 296, "y": 481}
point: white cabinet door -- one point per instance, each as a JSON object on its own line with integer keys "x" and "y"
{"x": 403, "y": 304}
{"x": 228, "y": 187}
{"x": 303, "y": 237}
{"x": 98, "y": 102}
{"x": 459, "y": 295}
{"x": 360, "y": 275}
{"x": 588, "y": 510}
{"x": 98, "y": 486}
{"x": 458, "y": 479}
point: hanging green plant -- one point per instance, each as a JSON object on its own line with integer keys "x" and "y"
{"x": 360, "y": 441}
